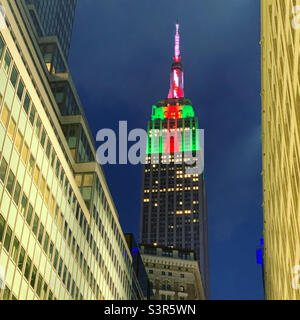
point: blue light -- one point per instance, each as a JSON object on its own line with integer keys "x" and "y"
{"x": 259, "y": 256}
{"x": 262, "y": 241}
{"x": 134, "y": 251}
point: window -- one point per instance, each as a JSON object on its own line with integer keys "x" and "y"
{"x": 2, "y": 45}
{"x": 39, "y": 286}
{"x": 69, "y": 237}
{"x": 25, "y": 153}
{"x": 7, "y": 61}
{"x": 41, "y": 234}
{"x": 24, "y": 204}
{"x": 43, "y": 138}
{"x": 38, "y": 127}
{"x": 21, "y": 259}
{"x": 29, "y": 214}
{"x": 36, "y": 175}
{"x": 69, "y": 282}
{"x": 181, "y": 275}
{"x": 88, "y": 180}
{"x": 55, "y": 259}
{"x": 31, "y": 165}
{"x": 46, "y": 243}
{"x": 27, "y": 268}
{"x": 150, "y": 271}
{"x": 14, "y": 76}
{"x": 51, "y": 249}
{"x": 47, "y": 194}
{"x": 73, "y": 245}
{"x": 2, "y": 226}
{"x": 48, "y": 149}
{"x": 6, "y": 293}
{"x": 20, "y": 89}
{"x": 65, "y": 230}
{"x": 60, "y": 266}
{"x": 11, "y": 129}
{"x": 33, "y": 276}
{"x": 3, "y": 168}
{"x": 7, "y": 239}
{"x": 18, "y": 142}
{"x": 15, "y": 250}
{"x": 26, "y": 103}
{"x": 45, "y": 289}
{"x": 52, "y": 159}
{"x": 5, "y": 116}
{"x": 42, "y": 185}
{"x": 17, "y": 193}
{"x": 10, "y": 182}
{"x": 65, "y": 274}
{"x": 35, "y": 224}
{"x": 78, "y": 179}
{"x": 32, "y": 115}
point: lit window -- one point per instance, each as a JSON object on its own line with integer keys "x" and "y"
{"x": 36, "y": 175}
{"x": 19, "y": 140}
{"x": 12, "y": 128}
{"x": 88, "y": 180}
{"x": 5, "y": 116}
{"x": 42, "y": 185}
{"x": 25, "y": 153}
{"x": 78, "y": 179}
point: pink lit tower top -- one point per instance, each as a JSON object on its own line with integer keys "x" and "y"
{"x": 176, "y": 81}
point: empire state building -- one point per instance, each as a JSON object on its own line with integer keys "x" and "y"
{"x": 174, "y": 208}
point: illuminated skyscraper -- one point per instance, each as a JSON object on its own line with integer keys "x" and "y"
{"x": 60, "y": 236}
{"x": 173, "y": 209}
{"x": 280, "y": 39}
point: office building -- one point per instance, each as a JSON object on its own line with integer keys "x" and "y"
{"x": 174, "y": 208}
{"x": 280, "y": 39}
{"x": 60, "y": 236}
{"x": 174, "y": 273}
{"x": 54, "y": 18}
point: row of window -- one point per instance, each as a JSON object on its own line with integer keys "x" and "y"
{"x": 23, "y": 261}
{"x": 27, "y": 211}
{"x": 46, "y": 144}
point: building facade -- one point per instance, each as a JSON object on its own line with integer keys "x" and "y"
{"x": 54, "y": 18}
{"x": 280, "y": 40}
{"x": 174, "y": 209}
{"x": 60, "y": 236}
{"x": 174, "y": 273}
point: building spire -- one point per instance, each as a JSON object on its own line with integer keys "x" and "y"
{"x": 177, "y": 43}
{"x": 176, "y": 81}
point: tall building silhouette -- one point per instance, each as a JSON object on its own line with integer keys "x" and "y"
{"x": 173, "y": 209}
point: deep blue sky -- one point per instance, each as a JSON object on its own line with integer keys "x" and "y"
{"x": 120, "y": 61}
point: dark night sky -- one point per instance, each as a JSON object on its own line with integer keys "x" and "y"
{"x": 120, "y": 61}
